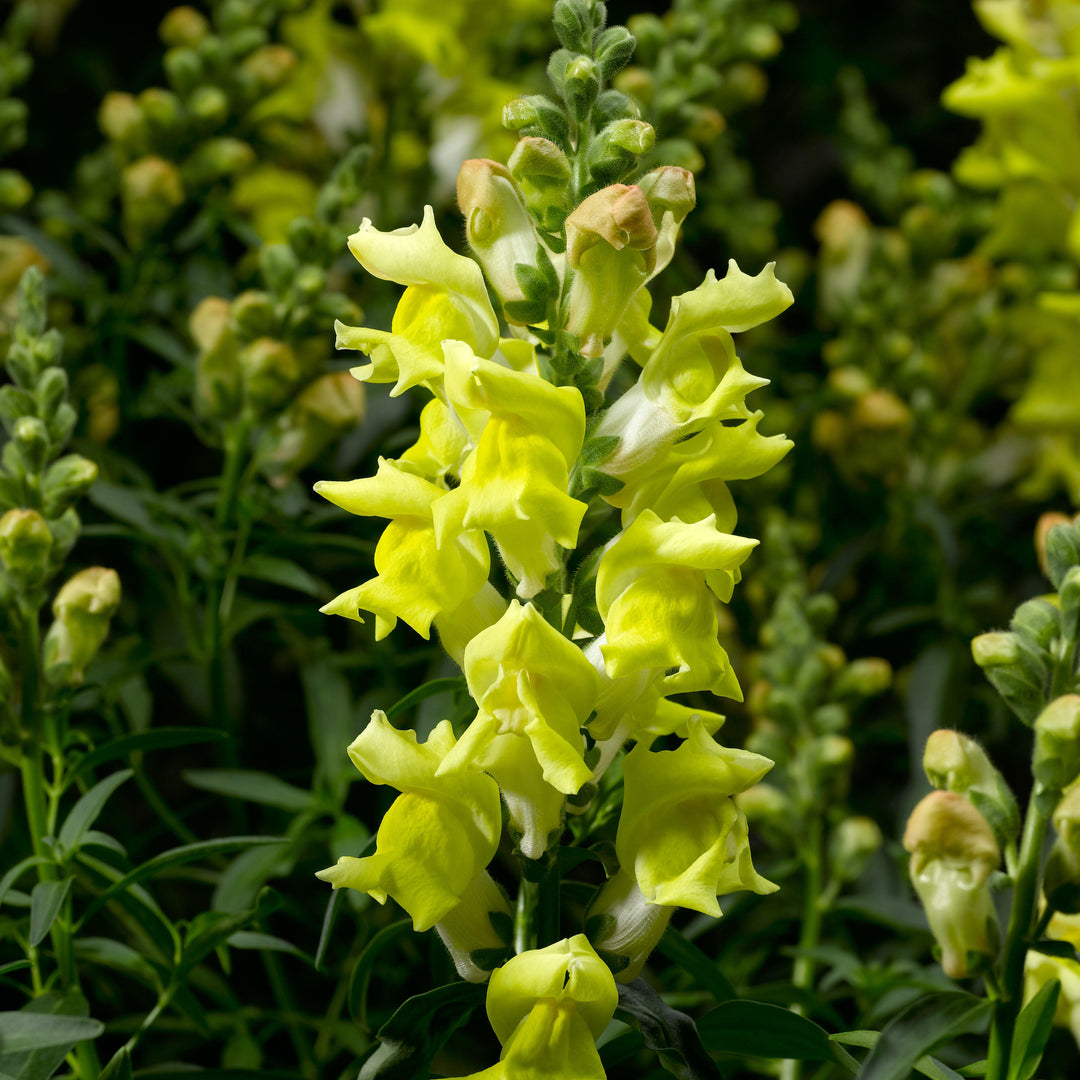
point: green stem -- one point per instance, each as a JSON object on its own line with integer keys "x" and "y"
{"x": 1021, "y": 919}
{"x": 812, "y": 915}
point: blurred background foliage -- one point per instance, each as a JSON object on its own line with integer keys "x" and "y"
{"x": 186, "y": 178}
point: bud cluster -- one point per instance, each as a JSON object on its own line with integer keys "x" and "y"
{"x": 15, "y": 67}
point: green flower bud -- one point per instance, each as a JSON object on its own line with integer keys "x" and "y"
{"x": 269, "y": 372}
{"x": 764, "y": 804}
{"x": 614, "y": 48}
{"x": 184, "y": 68}
{"x": 864, "y": 678}
{"x": 32, "y": 438}
{"x": 150, "y": 190}
{"x": 1037, "y": 620}
{"x": 161, "y": 108}
{"x": 851, "y": 845}
{"x": 209, "y": 106}
{"x": 572, "y": 20}
{"x": 953, "y": 853}
{"x": 120, "y": 118}
{"x": 25, "y": 543}
{"x": 183, "y": 26}
{"x": 65, "y": 531}
{"x": 217, "y": 369}
{"x": 611, "y": 154}
{"x": 614, "y": 105}
{"x": 51, "y": 389}
{"x": 269, "y": 65}
{"x": 1014, "y": 670}
{"x": 536, "y": 115}
{"x": 1057, "y": 743}
{"x": 83, "y": 608}
{"x": 1069, "y": 597}
{"x": 216, "y": 158}
{"x": 580, "y": 84}
{"x": 1061, "y": 882}
{"x": 66, "y": 480}
{"x": 14, "y": 405}
{"x": 833, "y": 757}
{"x": 310, "y": 281}
{"x": 955, "y": 762}
{"x": 542, "y": 173}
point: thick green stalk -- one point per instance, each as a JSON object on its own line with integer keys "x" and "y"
{"x": 1021, "y": 919}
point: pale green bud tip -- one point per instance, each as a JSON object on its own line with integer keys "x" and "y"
{"x": 954, "y": 761}
{"x": 866, "y": 677}
{"x": 25, "y": 542}
{"x": 763, "y": 803}
{"x": 851, "y": 844}
{"x": 995, "y": 649}
{"x": 1057, "y": 742}
{"x": 94, "y": 591}
{"x": 540, "y": 161}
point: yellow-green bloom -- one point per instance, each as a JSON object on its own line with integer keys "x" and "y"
{"x": 548, "y": 1007}
{"x": 656, "y": 590}
{"x": 680, "y": 834}
{"x": 445, "y": 298}
{"x": 1039, "y": 969}
{"x": 418, "y": 579}
{"x": 442, "y": 446}
{"x": 693, "y": 375}
{"x": 534, "y": 689}
{"x": 514, "y": 484}
{"x": 437, "y": 836}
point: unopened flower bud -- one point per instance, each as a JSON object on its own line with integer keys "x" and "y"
{"x": 150, "y": 190}
{"x": 269, "y": 65}
{"x": 269, "y": 372}
{"x": 764, "y": 804}
{"x": 15, "y": 190}
{"x": 580, "y": 83}
{"x": 864, "y": 678}
{"x": 501, "y": 234}
{"x": 25, "y": 543}
{"x": 31, "y": 436}
{"x": 1038, "y": 620}
{"x": 183, "y": 26}
{"x": 953, "y": 853}
{"x": 161, "y": 108}
{"x": 1061, "y": 882}
{"x": 614, "y": 48}
{"x": 217, "y": 369}
{"x": 851, "y": 845}
{"x": 216, "y": 158}
{"x": 254, "y": 312}
{"x": 536, "y": 115}
{"x": 1062, "y": 550}
{"x": 278, "y": 265}
{"x": 120, "y": 117}
{"x": 66, "y": 480}
{"x": 1042, "y": 530}
{"x": 1057, "y": 743}
{"x": 209, "y": 105}
{"x": 996, "y": 649}
{"x": 881, "y": 410}
{"x": 542, "y": 172}
{"x": 833, "y": 757}
{"x": 83, "y": 608}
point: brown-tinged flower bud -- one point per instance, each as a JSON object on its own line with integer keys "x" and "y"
{"x": 269, "y": 65}
{"x": 611, "y": 246}
{"x": 501, "y": 234}
{"x": 881, "y": 410}
{"x": 953, "y": 852}
{"x": 1042, "y": 529}
{"x": 217, "y": 369}
{"x": 83, "y": 608}
{"x": 269, "y": 372}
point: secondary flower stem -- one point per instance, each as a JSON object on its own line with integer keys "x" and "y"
{"x": 1020, "y": 922}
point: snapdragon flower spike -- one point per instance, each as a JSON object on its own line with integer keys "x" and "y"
{"x": 534, "y": 689}
{"x": 655, "y": 590}
{"x": 437, "y": 836}
{"x": 693, "y": 375}
{"x": 514, "y": 484}
{"x": 548, "y": 1007}
{"x": 445, "y": 297}
{"x": 418, "y": 579}
{"x": 681, "y": 835}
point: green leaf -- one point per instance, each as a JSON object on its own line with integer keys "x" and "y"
{"x": 1032, "y": 1032}
{"x": 668, "y": 1032}
{"x": 251, "y": 786}
{"x": 14, "y": 965}
{"x": 45, "y": 902}
{"x": 96, "y": 838}
{"x": 158, "y": 739}
{"x": 85, "y": 812}
{"x": 42, "y": 1062}
{"x": 106, "y": 952}
{"x": 421, "y": 693}
{"x": 927, "y": 1023}
{"x": 1063, "y": 950}
{"x": 754, "y": 1029}
{"x": 284, "y": 572}
{"x": 361, "y": 976}
{"x": 23, "y": 1031}
{"x": 249, "y": 939}
{"x": 331, "y": 723}
{"x": 17, "y": 871}
{"x": 417, "y": 1031}
{"x": 213, "y": 928}
{"x": 682, "y": 951}
{"x": 176, "y": 857}
{"x": 926, "y": 1065}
